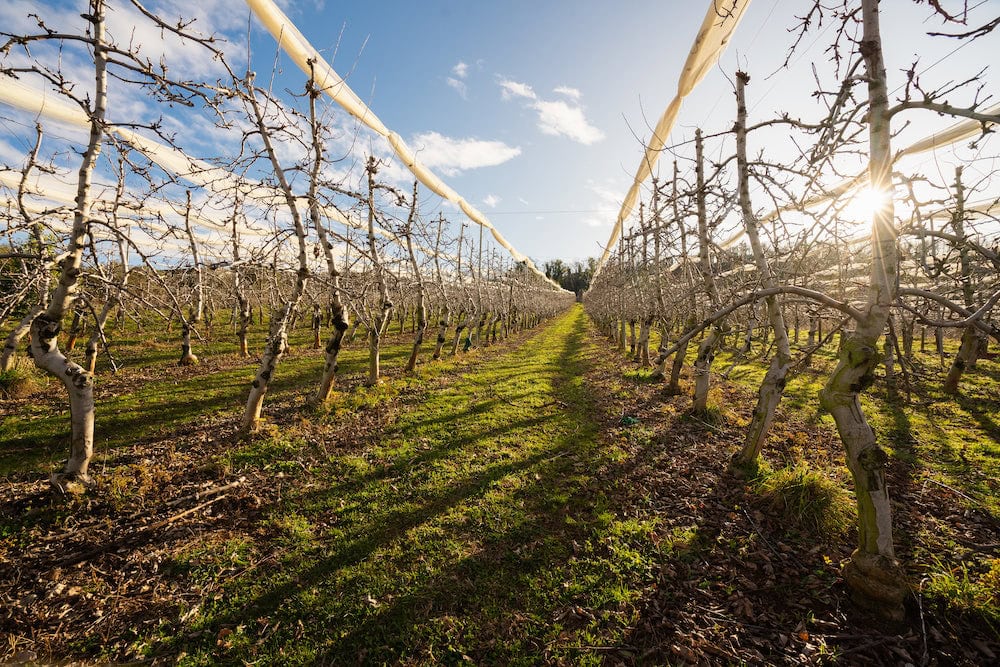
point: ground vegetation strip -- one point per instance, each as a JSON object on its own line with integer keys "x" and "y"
{"x": 540, "y": 500}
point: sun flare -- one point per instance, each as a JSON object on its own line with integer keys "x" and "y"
{"x": 866, "y": 202}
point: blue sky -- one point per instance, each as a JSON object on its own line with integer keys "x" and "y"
{"x": 530, "y": 110}
{"x": 460, "y": 69}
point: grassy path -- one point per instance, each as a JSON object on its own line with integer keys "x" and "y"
{"x": 492, "y": 508}
{"x": 475, "y": 528}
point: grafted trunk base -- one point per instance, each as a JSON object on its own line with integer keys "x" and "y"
{"x": 411, "y": 364}
{"x": 768, "y": 397}
{"x": 70, "y": 484}
{"x": 877, "y": 584}
{"x": 332, "y": 352}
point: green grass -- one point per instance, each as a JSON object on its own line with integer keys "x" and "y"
{"x": 151, "y": 396}
{"x": 808, "y": 499}
{"x": 954, "y": 440}
{"x": 475, "y": 521}
{"x": 19, "y": 381}
{"x": 477, "y": 527}
{"x": 967, "y": 588}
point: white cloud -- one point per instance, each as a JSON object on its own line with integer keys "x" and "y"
{"x": 609, "y": 197}
{"x": 560, "y": 119}
{"x": 459, "y": 86}
{"x": 510, "y": 89}
{"x": 609, "y": 200}
{"x": 491, "y": 200}
{"x": 461, "y": 70}
{"x": 453, "y": 156}
{"x": 572, "y": 93}
{"x": 555, "y": 117}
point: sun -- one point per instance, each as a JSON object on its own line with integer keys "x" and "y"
{"x": 866, "y": 202}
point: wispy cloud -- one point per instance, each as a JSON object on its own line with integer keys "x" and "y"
{"x": 491, "y": 200}
{"x": 572, "y": 93}
{"x": 609, "y": 200}
{"x": 461, "y": 71}
{"x": 609, "y": 197}
{"x": 452, "y": 156}
{"x": 555, "y": 117}
{"x": 459, "y": 86}
{"x": 510, "y": 89}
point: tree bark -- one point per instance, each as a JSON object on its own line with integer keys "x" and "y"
{"x": 277, "y": 342}
{"x": 773, "y": 386}
{"x": 873, "y": 573}
{"x": 711, "y": 342}
{"x": 45, "y": 327}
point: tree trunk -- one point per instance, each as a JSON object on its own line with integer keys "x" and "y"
{"x": 90, "y": 352}
{"x": 338, "y": 313}
{"x": 873, "y": 574}
{"x": 773, "y": 385}
{"x": 45, "y": 327}
{"x": 274, "y": 349}
{"x": 188, "y": 357}
{"x": 375, "y": 333}
{"x": 967, "y": 350}
{"x": 421, "y": 309}
{"x": 75, "y": 329}
{"x": 709, "y": 345}
{"x": 703, "y": 368}
{"x": 277, "y": 342}
{"x": 317, "y": 324}
{"x": 9, "y": 354}
{"x": 643, "y": 354}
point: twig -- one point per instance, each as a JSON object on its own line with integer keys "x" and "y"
{"x": 952, "y": 489}
{"x": 522, "y": 405}
{"x": 180, "y": 515}
{"x": 205, "y": 494}
{"x": 760, "y": 533}
{"x": 87, "y": 555}
{"x": 622, "y": 647}
{"x": 197, "y": 495}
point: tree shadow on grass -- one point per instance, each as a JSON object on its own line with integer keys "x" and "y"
{"x": 158, "y": 409}
{"x": 517, "y": 512}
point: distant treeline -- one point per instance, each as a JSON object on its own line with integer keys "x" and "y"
{"x": 574, "y": 276}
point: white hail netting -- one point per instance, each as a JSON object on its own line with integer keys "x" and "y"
{"x": 172, "y": 160}
{"x": 721, "y": 20}
{"x": 48, "y": 188}
{"x": 717, "y": 28}
{"x": 312, "y": 63}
